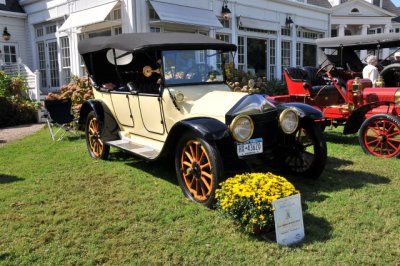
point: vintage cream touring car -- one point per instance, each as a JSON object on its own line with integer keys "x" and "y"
{"x": 162, "y": 94}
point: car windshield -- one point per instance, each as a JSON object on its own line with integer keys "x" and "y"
{"x": 182, "y": 67}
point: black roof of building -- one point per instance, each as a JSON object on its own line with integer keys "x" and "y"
{"x": 12, "y": 6}
{"x": 389, "y": 6}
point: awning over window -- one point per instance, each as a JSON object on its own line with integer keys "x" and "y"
{"x": 185, "y": 15}
{"x": 258, "y": 24}
{"x": 88, "y": 16}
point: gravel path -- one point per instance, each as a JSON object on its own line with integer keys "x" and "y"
{"x": 10, "y": 134}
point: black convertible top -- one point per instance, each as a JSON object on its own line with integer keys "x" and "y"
{"x": 361, "y": 42}
{"x": 142, "y": 41}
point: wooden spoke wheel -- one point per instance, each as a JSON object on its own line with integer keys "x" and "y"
{"x": 198, "y": 168}
{"x": 307, "y": 154}
{"x": 380, "y": 136}
{"x": 97, "y": 149}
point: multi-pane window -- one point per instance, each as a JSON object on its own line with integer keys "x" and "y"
{"x": 223, "y": 37}
{"x": 65, "y": 59}
{"x": 285, "y": 54}
{"x": 298, "y": 54}
{"x": 286, "y": 31}
{"x": 10, "y": 54}
{"x": 272, "y": 59}
{"x": 240, "y": 47}
{"x": 42, "y": 64}
{"x": 51, "y": 29}
{"x": 117, "y": 30}
{"x": 39, "y": 32}
{"x": 53, "y": 63}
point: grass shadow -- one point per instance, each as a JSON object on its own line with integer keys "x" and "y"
{"x": 4, "y": 179}
{"x": 340, "y": 138}
{"x": 163, "y": 168}
{"x": 335, "y": 179}
{"x": 316, "y": 229}
{"x": 6, "y": 255}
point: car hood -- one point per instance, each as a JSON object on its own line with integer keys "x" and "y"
{"x": 211, "y": 104}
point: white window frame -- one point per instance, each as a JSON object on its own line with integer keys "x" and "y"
{"x": 11, "y": 55}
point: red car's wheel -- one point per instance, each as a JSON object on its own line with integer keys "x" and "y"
{"x": 198, "y": 167}
{"x": 380, "y": 136}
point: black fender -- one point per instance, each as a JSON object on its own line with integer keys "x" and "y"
{"x": 305, "y": 111}
{"x": 355, "y": 120}
{"x": 207, "y": 128}
{"x": 108, "y": 124}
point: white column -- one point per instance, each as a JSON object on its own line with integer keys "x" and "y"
{"x": 128, "y": 16}
{"x": 234, "y": 26}
{"x": 386, "y": 52}
{"x": 294, "y": 46}
{"x": 364, "y": 32}
{"x": 341, "y": 29}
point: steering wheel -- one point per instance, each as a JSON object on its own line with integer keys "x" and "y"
{"x": 196, "y": 70}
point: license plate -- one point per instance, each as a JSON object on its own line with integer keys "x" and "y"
{"x": 252, "y": 146}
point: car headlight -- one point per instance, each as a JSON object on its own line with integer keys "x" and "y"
{"x": 289, "y": 121}
{"x": 242, "y": 128}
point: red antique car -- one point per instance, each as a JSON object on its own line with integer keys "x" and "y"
{"x": 338, "y": 90}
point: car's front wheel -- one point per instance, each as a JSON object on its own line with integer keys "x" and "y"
{"x": 307, "y": 153}
{"x": 95, "y": 145}
{"x": 380, "y": 136}
{"x": 198, "y": 167}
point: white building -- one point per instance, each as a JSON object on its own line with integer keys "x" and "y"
{"x": 266, "y": 40}
{"x": 13, "y": 31}
{"x": 362, "y": 17}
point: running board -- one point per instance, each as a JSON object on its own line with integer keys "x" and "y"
{"x": 138, "y": 149}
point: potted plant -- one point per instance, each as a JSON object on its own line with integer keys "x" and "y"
{"x": 247, "y": 198}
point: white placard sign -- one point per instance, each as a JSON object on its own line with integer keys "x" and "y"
{"x": 288, "y": 218}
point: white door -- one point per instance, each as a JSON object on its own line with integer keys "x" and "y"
{"x": 49, "y": 65}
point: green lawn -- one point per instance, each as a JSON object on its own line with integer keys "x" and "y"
{"x": 58, "y": 206}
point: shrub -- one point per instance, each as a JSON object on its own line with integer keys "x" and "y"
{"x": 247, "y": 198}
{"x": 239, "y": 81}
{"x": 79, "y": 90}
{"x": 15, "y": 106}
{"x": 16, "y": 113}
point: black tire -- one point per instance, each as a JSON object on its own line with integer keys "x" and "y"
{"x": 96, "y": 147}
{"x": 308, "y": 153}
{"x": 198, "y": 168}
{"x": 379, "y": 136}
